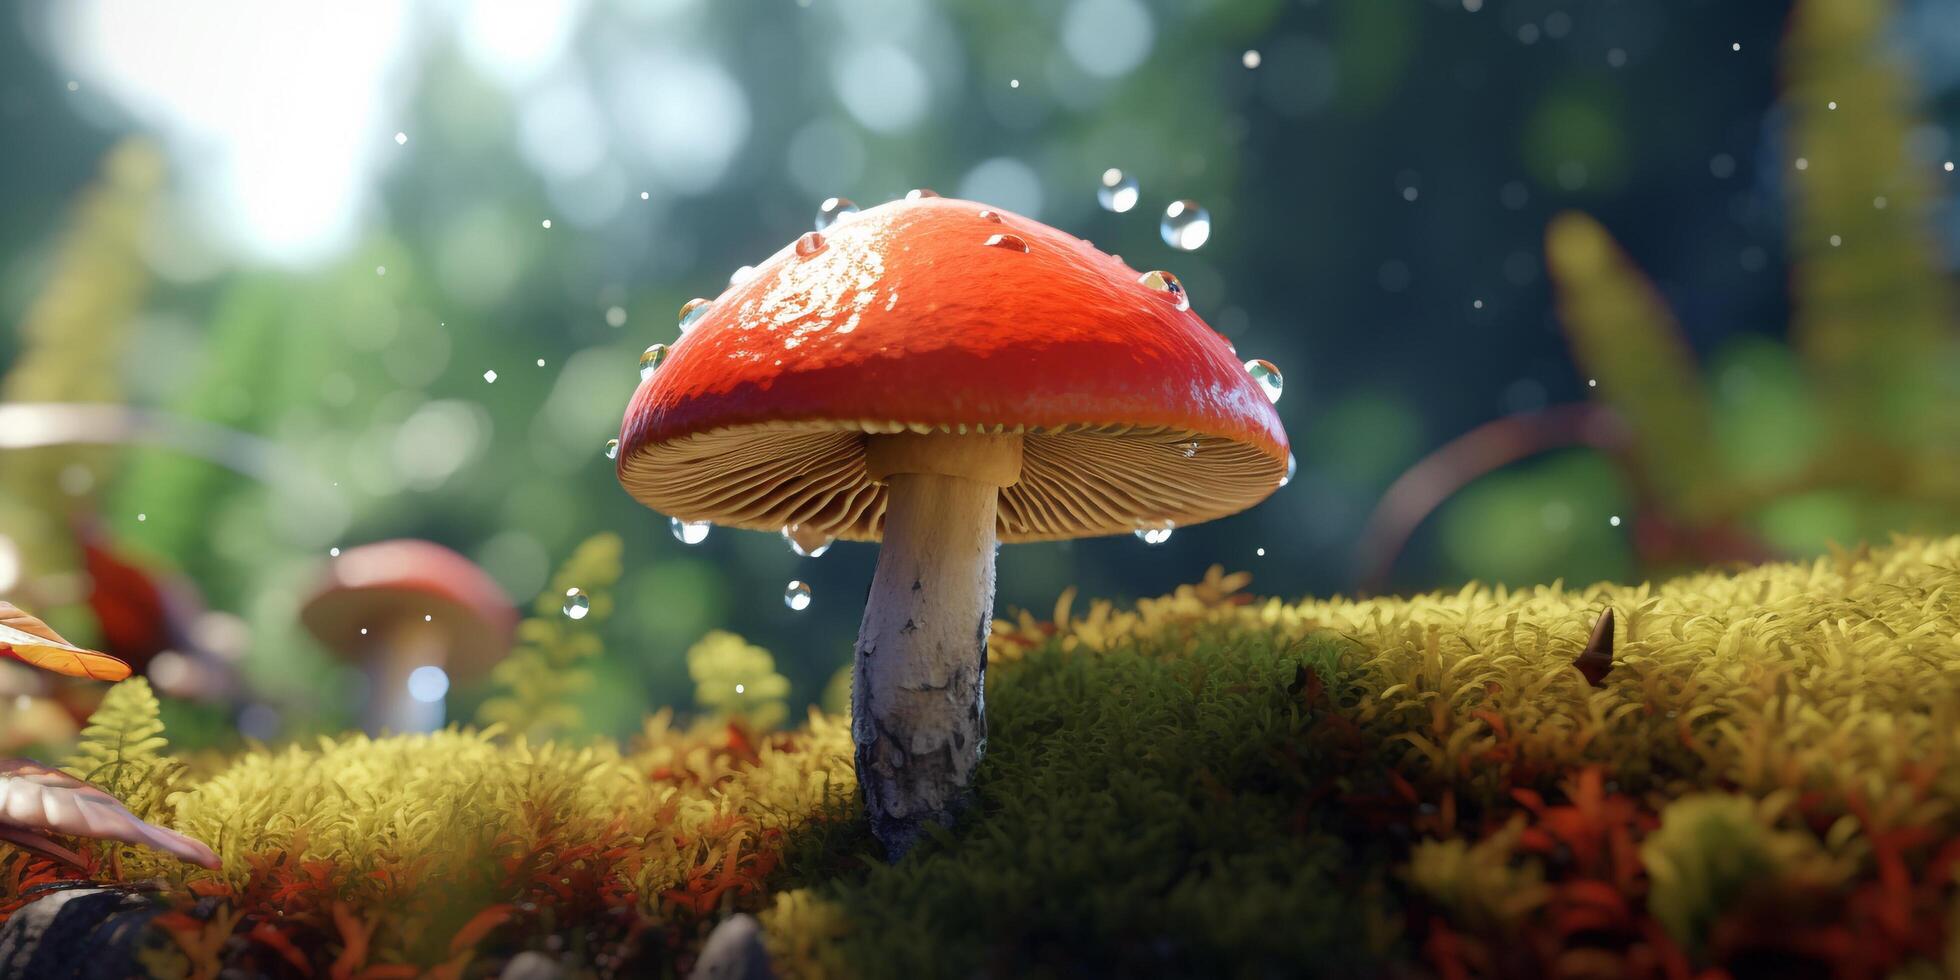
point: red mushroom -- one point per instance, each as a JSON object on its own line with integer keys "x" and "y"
{"x": 396, "y": 607}
{"x": 944, "y": 376}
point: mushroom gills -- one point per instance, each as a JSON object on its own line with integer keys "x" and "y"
{"x": 918, "y": 708}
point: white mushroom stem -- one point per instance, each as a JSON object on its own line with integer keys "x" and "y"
{"x": 918, "y": 708}
{"x": 395, "y": 655}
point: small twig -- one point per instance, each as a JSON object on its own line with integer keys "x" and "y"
{"x": 1596, "y": 660}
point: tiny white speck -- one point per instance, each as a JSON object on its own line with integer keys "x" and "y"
{"x": 547, "y": 222}
{"x": 380, "y": 270}
{"x": 140, "y": 518}
{"x": 401, "y": 139}
{"x": 1592, "y": 382}
{"x": 1614, "y": 520}
{"x": 363, "y": 631}
{"x": 1836, "y": 241}
{"x": 490, "y": 377}
{"x": 428, "y": 618}
{"x": 739, "y": 688}
{"x": 1803, "y": 163}
{"x": 541, "y": 362}
{"x": 1013, "y": 83}
{"x": 74, "y": 86}
{"x": 1260, "y": 552}
{"x": 1250, "y": 59}
{"x": 1473, "y": 5}
{"x": 1949, "y": 166}
{"x": 644, "y": 195}
{"x": 333, "y": 552}
{"x": 1831, "y": 105}
{"x": 1737, "y": 46}
{"x": 1409, "y": 193}
{"x": 1476, "y": 304}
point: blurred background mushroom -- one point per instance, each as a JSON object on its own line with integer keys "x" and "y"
{"x": 416, "y": 617}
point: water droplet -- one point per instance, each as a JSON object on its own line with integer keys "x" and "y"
{"x": 140, "y": 518}
{"x": 1186, "y": 226}
{"x": 989, "y": 215}
{"x": 809, "y": 243}
{"x": 1250, "y": 59}
{"x": 490, "y": 377}
{"x": 1614, "y": 520}
{"x": 689, "y": 532}
{"x": 547, "y": 223}
{"x": 1261, "y": 552}
{"x": 741, "y": 689}
{"x": 1267, "y": 377}
{"x": 1191, "y": 450}
{"x": 651, "y": 360}
{"x": 833, "y": 210}
{"x": 740, "y": 276}
{"x": 576, "y": 604}
{"x": 797, "y": 595}
{"x": 691, "y": 311}
{"x": 1292, "y": 467}
{"x": 1155, "y": 534}
{"x": 806, "y": 542}
{"x": 1166, "y": 283}
{"x": 1014, "y": 242}
{"x": 401, "y": 139}
{"x": 612, "y": 448}
{"x": 917, "y": 193}
{"x": 1117, "y": 191}
{"x": 333, "y": 552}
{"x": 541, "y": 362}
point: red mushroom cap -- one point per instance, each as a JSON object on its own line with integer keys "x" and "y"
{"x": 942, "y": 315}
{"x": 381, "y": 585}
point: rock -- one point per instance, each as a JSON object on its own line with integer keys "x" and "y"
{"x": 532, "y": 965}
{"x": 82, "y": 933}
{"x": 734, "y": 951}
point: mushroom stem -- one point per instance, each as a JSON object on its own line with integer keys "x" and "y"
{"x": 918, "y": 708}
{"x": 390, "y": 708}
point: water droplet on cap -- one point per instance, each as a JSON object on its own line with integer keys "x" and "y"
{"x": 576, "y": 604}
{"x": 917, "y": 193}
{"x": 1186, "y": 226}
{"x": 691, "y": 311}
{"x": 1267, "y": 377}
{"x": 741, "y": 275}
{"x": 990, "y": 215}
{"x": 1167, "y": 284}
{"x": 1014, "y": 242}
{"x": 797, "y": 595}
{"x": 1292, "y": 467}
{"x": 832, "y": 210}
{"x": 810, "y": 243}
{"x": 612, "y": 448}
{"x": 1155, "y": 534}
{"x": 689, "y": 532}
{"x": 651, "y": 359}
{"x": 1117, "y": 191}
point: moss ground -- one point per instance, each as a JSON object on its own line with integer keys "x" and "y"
{"x": 1767, "y": 784}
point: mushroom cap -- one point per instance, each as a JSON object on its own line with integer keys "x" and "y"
{"x": 37, "y": 799}
{"x": 387, "y": 584}
{"x": 908, "y": 318}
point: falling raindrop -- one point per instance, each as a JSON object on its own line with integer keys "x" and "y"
{"x": 576, "y": 604}
{"x": 651, "y": 359}
{"x": 809, "y": 243}
{"x": 1292, "y": 467}
{"x": 1186, "y": 226}
{"x": 490, "y": 377}
{"x": 1117, "y": 191}
{"x": 692, "y": 311}
{"x": 833, "y": 210}
{"x": 1013, "y": 242}
{"x": 917, "y": 193}
{"x": 689, "y": 532}
{"x": 797, "y": 595}
{"x": 1267, "y": 377}
{"x": 806, "y": 542}
{"x": 1167, "y": 284}
{"x": 1155, "y": 534}
{"x": 612, "y": 448}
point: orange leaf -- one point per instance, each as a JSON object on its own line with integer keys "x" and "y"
{"x": 30, "y": 641}
{"x": 269, "y": 935}
{"x": 479, "y": 926}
